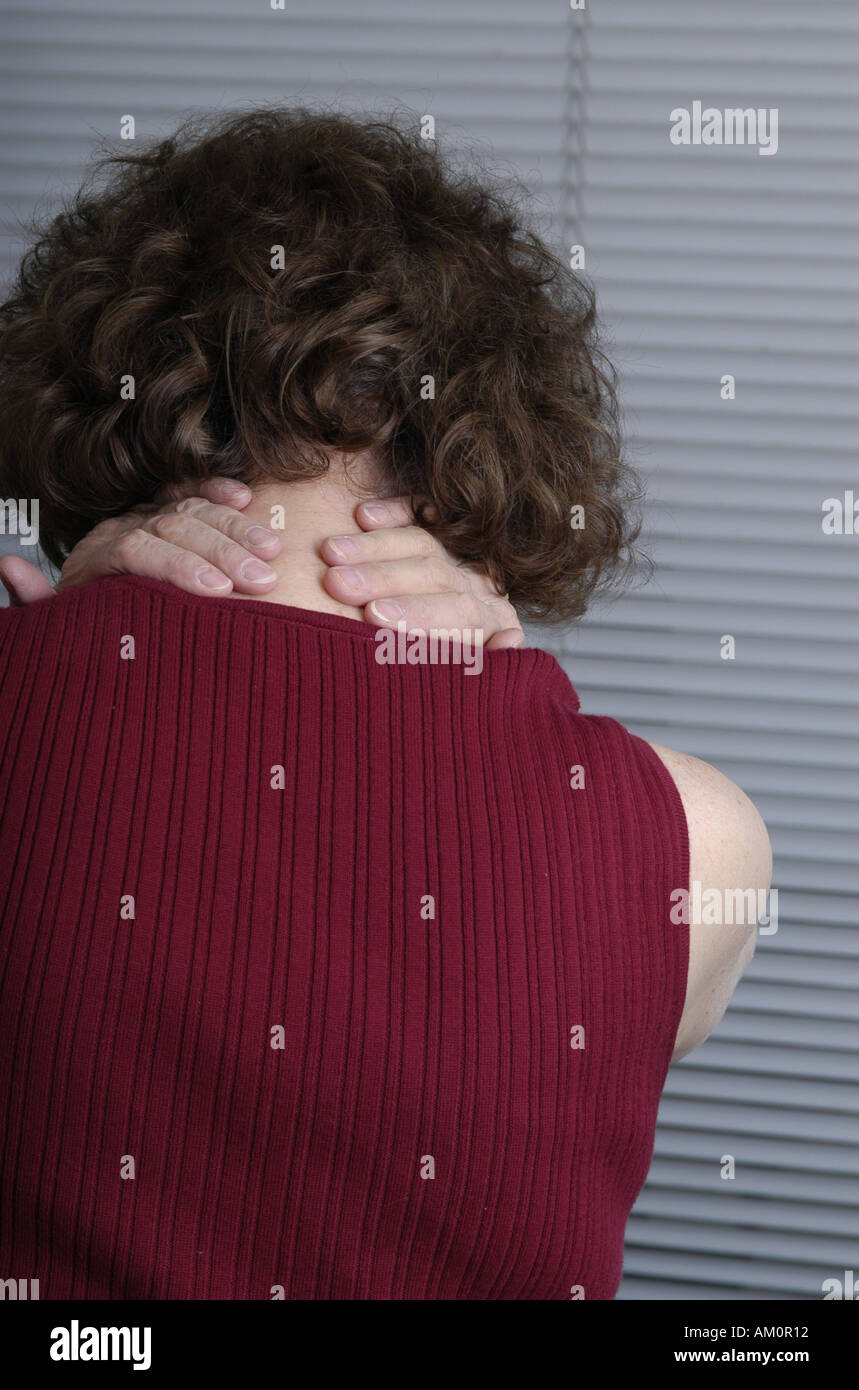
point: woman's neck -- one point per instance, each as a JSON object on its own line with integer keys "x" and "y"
{"x": 302, "y": 515}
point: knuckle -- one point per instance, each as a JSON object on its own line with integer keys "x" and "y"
{"x": 183, "y": 564}
{"x": 475, "y": 611}
{"x": 105, "y": 531}
{"x": 440, "y": 570}
{"x": 130, "y": 544}
{"x": 170, "y": 492}
{"x": 424, "y": 544}
{"x": 191, "y": 504}
{"x": 223, "y": 554}
{"x": 164, "y": 525}
{"x": 372, "y": 573}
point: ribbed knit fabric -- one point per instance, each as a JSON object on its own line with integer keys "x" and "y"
{"x": 423, "y": 904}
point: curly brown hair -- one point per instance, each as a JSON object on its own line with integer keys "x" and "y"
{"x": 249, "y": 363}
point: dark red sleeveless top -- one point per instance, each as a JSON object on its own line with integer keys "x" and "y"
{"x": 390, "y": 1024}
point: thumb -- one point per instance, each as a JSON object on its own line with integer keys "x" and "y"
{"x": 23, "y": 582}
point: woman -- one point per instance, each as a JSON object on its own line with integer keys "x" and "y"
{"x": 328, "y": 973}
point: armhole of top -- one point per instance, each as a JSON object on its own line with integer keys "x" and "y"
{"x": 681, "y": 866}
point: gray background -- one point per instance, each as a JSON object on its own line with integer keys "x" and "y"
{"x": 707, "y": 261}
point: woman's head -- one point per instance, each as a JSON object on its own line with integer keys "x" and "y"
{"x": 263, "y": 289}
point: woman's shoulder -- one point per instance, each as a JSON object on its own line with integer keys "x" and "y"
{"x": 727, "y": 829}
{"x": 730, "y": 867}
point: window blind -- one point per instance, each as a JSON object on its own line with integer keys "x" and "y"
{"x": 712, "y": 261}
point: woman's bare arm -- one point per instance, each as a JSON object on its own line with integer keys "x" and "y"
{"x": 729, "y": 852}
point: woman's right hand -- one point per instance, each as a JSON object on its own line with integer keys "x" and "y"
{"x": 194, "y": 537}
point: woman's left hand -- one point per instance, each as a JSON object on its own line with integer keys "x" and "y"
{"x": 400, "y": 573}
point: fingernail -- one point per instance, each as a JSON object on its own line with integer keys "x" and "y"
{"x": 343, "y": 545}
{"x": 387, "y": 610}
{"x": 353, "y": 579}
{"x": 259, "y": 535}
{"x": 255, "y": 570}
{"x": 213, "y": 579}
{"x": 233, "y": 488}
{"x": 377, "y": 512}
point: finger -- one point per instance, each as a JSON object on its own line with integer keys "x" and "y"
{"x": 136, "y": 551}
{"x": 23, "y": 582}
{"x": 434, "y": 573}
{"x": 92, "y": 557}
{"x": 252, "y": 535}
{"x": 228, "y": 492}
{"x": 398, "y": 543}
{"x": 184, "y": 530}
{"x": 432, "y": 612}
{"x": 390, "y": 511}
{"x": 415, "y": 575}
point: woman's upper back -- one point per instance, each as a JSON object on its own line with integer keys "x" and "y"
{"x": 365, "y": 970}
